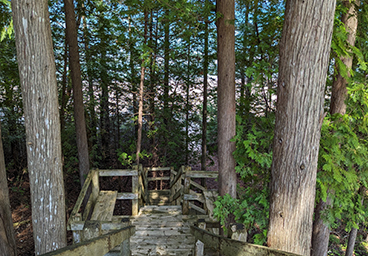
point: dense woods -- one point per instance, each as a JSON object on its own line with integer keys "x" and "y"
{"x": 270, "y": 93}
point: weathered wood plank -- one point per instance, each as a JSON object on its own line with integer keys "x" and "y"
{"x": 135, "y": 190}
{"x": 199, "y": 246}
{"x": 177, "y": 176}
{"x": 198, "y": 209}
{"x": 80, "y": 199}
{"x": 118, "y": 172}
{"x": 177, "y": 194}
{"x": 195, "y": 184}
{"x": 202, "y": 174}
{"x": 88, "y": 208}
{"x": 210, "y": 198}
{"x": 127, "y": 196}
{"x": 97, "y": 246}
{"x": 186, "y": 189}
{"x": 194, "y": 196}
{"x": 158, "y": 178}
{"x": 229, "y": 247}
{"x": 153, "y": 169}
{"x": 105, "y": 205}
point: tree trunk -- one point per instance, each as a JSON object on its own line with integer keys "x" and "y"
{"x": 321, "y": 230}
{"x": 7, "y": 239}
{"x": 304, "y": 56}
{"x": 91, "y": 101}
{"x": 354, "y": 231}
{"x": 204, "y": 110}
{"x": 226, "y": 96}
{"x": 141, "y": 87}
{"x": 75, "y": 71}
{"x": 351, "y": 242}
{"x": 339, "y": 92}
{"x": 40, "y": 100}
{"x": 166, "y": 81}
{"x": 64, "y": 83}
{"x": 187, "y": 107}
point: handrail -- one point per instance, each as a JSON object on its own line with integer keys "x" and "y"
{"x": 177, "y": 177}
{"x": 99, "y": 245}
{"x": 230, "y": 247}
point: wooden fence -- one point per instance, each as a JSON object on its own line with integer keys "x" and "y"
{"x": 100, "y": 205}
{"x": 230, "y": 247}
{"x": 100, "y": 245}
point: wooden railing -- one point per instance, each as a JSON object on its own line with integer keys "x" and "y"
{"x": 159, "y": 176}
{"x": 231, "y": 247}
{"x": 100, "y": 205}
{"x": 184, "y": 189}
{"x": 100, "y": 245}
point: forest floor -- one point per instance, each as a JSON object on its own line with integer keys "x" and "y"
{"x": 21, "y": 211}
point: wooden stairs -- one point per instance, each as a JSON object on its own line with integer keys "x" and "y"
{"x": 176, "y": 221}
{"x": 162, "y": 218}
{"x": 160, "y": 230}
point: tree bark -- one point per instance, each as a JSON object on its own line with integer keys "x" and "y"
{"x": 141, "y": 87}
{"x": 226, "y": 96}
{"x": 204, "y": 111}
{"x": 304, "y": 56}
{"x": 321, "y": 230}
{"x": 166, "y": 82}
{"x": 187, "y": 106}
{"x": 7, "y": 239}
{"x": 339, "y": 91}
{"x": 75, "y": 71}
{"x": 40, "y": 100}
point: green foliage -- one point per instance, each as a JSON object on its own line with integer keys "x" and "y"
{"x": 254, "y": 157}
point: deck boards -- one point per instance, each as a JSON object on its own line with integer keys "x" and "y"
{"x": 104, "y": 207}
{"x": 160, "y": 230}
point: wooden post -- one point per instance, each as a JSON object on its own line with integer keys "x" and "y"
{"x": 186, "y": 189}
{"x": 199, "y": 248}
{"x": 135, "y": 191}
{"x": 140, "y": 186}
{"x": 172, "y": 189}
{"x": 95, "y": 186}
{"x": 239, "y": 232}
{"x": 91, "y": 229}
{"x": 145, "y": 172}
{"x": 125, "y": 248}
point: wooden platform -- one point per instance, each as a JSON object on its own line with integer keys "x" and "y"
{"x": 160, "y": 230}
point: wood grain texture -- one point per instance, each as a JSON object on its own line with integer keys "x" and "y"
{"x": 40, "y": 100}
{"x": 304, "y": 56}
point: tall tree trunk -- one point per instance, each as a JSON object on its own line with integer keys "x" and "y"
{"x": 104, "y": 109}
{"x": 166, "y": 81}
{"x": 321, "y": 230}
{"x": 153, "y": 46}
{"x": 64, "y": 83}
{"x": 339, "y": 92}
{"x": 92, "y": 135}
{"x": 7, "y": 238}
{"x": 40, "y": 100}
{"x": 304, "y": 56}
{"x": 354, "y": 231}
{"x": 141, "y": 87}
{"x": 204, "y": 110}
{"x": 187, "y": 108}
{"x": 75, "y": 71}
{"x": 226, "y": 96}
